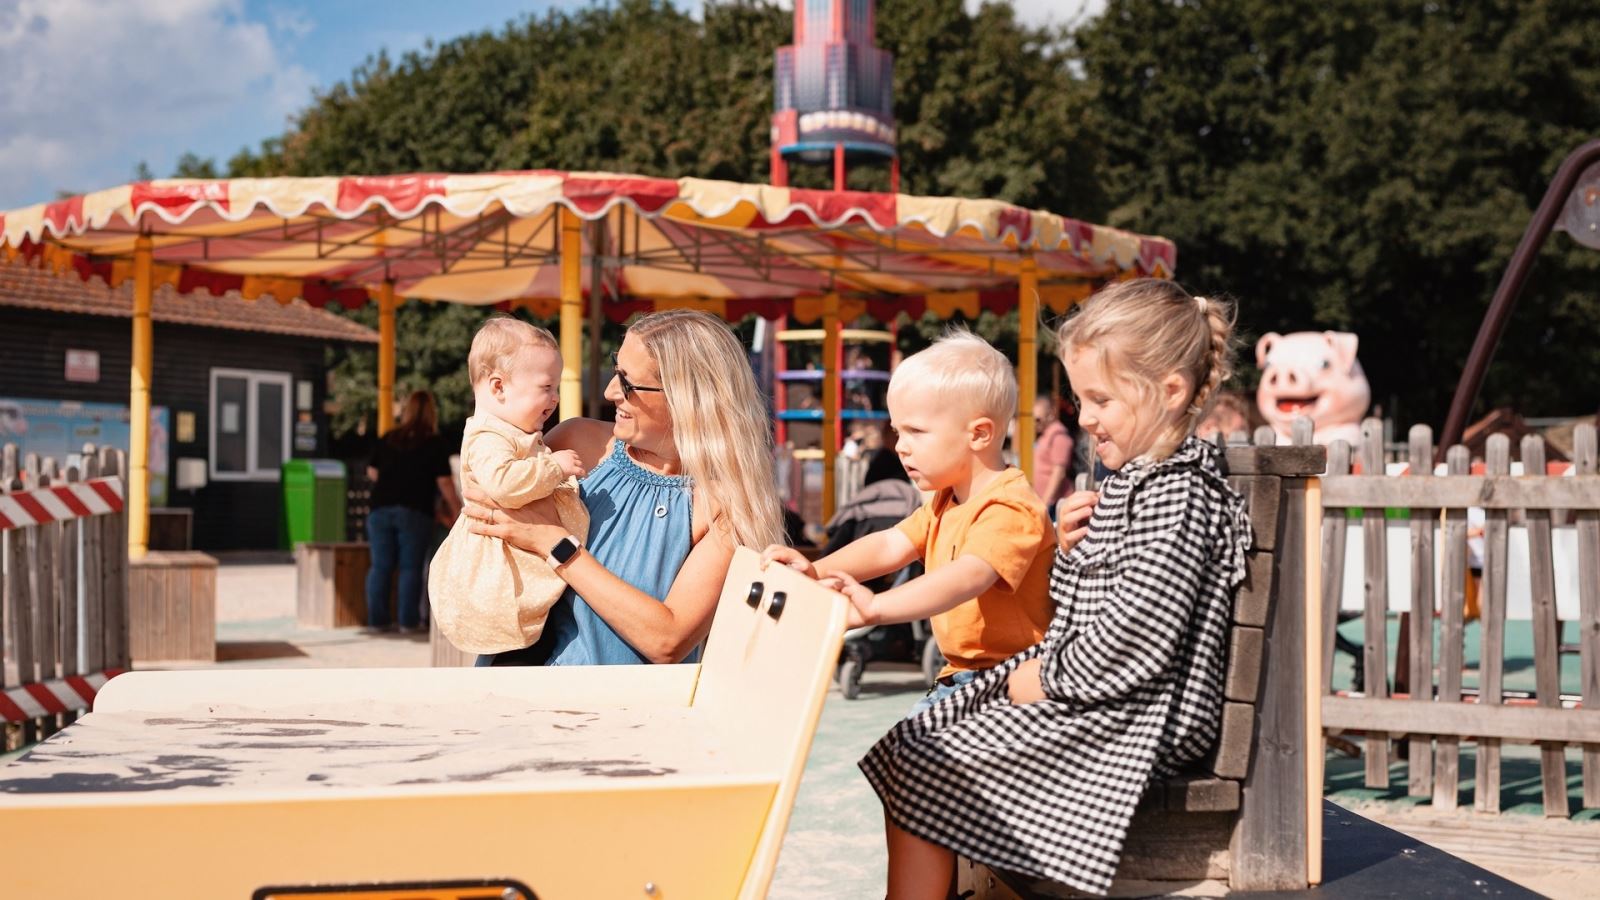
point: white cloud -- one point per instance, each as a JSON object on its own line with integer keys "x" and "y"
{"x": 93, "y": 86}
{"x": 291, "y": 22}
{"x": 1053, "y": 12}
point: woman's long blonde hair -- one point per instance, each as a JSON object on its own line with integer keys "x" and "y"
{"x": 719, "y": 421}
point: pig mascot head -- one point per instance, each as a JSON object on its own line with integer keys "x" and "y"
{"x": 1312, "y": 374}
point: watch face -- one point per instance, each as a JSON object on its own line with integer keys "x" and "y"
{"x": 564, "y": 550}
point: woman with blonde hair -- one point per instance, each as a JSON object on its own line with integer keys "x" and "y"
{"x": 676, "y": 482}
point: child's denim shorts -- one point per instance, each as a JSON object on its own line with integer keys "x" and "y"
{"x": 943, "y": 688}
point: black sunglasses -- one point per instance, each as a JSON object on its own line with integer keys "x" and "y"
{"x": 628, "y": 387}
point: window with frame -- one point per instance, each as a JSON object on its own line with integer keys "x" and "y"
{"x": 249, "y": 424}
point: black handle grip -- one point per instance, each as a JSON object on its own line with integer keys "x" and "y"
{"x": 756, "y": 590}
{"x": 775, "y": 609}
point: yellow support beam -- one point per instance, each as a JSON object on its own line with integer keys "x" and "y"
{"x": 386, "y": 306}
{"x": 138, "y": 502}
{"x": 1027, "y": 359}
{"x": 831, "y": 349}
{"x": 571, "y": 314}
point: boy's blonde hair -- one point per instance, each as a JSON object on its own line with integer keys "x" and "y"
{"x": 964, "y": 368}
{"x": 1149, "y": 328}
{"x": 499, "y": 341}
{"x": 719, "y": 421}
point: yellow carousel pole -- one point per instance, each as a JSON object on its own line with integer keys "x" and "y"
{"x": 386, "y": 305}
{"x": 138, "y": 502}
{"x": 1027, "y": 359}
{"x": 830, "y": 399}
{"x": 571, "y": 314}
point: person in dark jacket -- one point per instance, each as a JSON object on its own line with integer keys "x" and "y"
{"x": 410, "y": 470}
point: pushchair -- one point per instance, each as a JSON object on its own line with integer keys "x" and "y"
{"x": 885, "y": 499}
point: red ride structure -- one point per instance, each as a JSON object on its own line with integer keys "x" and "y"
{"x": 834, "y": 93}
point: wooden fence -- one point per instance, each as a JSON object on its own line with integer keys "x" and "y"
{"x": 1429, "y": 709}
{"x": 63, "y": 572}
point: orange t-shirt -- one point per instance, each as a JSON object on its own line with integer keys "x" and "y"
{"x": 1004, "y": 525}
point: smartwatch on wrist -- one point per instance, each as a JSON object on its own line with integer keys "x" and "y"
{"x": 564, "y": 550}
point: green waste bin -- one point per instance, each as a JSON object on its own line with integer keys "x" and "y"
{"x": 313, "y": 501}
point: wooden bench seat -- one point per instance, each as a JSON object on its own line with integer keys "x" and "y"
{"x": 1239, "y": 821}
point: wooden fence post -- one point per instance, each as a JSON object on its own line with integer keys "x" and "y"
{"x": 114, "y": 462}
{"x": 20, "y": 632}
{"x": 1419, "y": 752}
{"x": 10, "y": 573}
{"x": 1447, "y": 763}
{"x": 93, "y": 650}
{"x": 1584, "y": 456}
{"x": 1546, "y": 637}
{"x": 1269, "y": 847}
{"x": 67, "y": 558}
{"x": 46, "y": 593}
{"x": 1375, "y": 614}
{"x": 1491, "y": 660}
{"x": 1335, "y": 528}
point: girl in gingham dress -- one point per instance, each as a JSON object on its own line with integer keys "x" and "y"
{"x": 1037, "y": 765}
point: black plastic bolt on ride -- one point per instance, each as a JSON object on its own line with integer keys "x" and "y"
{"x": 775, "y": 609}
{"x": 756, "y": 590}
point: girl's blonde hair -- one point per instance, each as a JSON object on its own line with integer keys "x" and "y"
{"x": 1149, "y": 328}
{"x": 963, "y": 369}
{"x": 499, "y": 341}
{"x": 719, "y": 422}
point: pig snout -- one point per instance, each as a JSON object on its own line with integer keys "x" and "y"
{"x": 1287, "y": 380}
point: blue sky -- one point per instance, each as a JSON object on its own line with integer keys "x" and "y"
{"x": 96, "y": 86}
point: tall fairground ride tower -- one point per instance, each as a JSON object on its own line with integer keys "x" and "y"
{"x": 834, "y": 93}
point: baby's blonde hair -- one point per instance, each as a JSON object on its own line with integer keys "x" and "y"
{"x": 1149, "y": 328}
{"x": 963, "y": 368}
{"x": 498, "y": 343}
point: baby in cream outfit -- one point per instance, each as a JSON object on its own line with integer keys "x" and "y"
{"x": 487, "y": 595}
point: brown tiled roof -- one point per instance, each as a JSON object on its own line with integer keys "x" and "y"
{"x": 30, "y": 288}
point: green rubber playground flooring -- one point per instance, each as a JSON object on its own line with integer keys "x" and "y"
{"x": 1519, "y": 669}
{"x": 1521, "y": 791}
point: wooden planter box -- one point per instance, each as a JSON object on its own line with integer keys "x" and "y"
{"x": 331, "y": 584}
{"x": 172, "y": 607}
{"x": 445, "y": 653}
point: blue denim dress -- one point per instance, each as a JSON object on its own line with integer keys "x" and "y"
{"x": 640, "y": 528}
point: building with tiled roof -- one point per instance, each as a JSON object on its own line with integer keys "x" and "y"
{"x": 239, "y": 387}
{"x": 27, "y": 287}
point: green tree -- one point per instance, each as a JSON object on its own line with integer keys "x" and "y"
{"x": 193, "y": 166}
{"x": 986, "y": 107}
{"x": 1365, "y": 165}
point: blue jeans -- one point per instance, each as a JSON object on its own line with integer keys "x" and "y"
{"x": 940, "y": 690}
{"x": 399, "y": 537}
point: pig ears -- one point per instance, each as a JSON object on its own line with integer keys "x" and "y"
{"x": 1343, "y": 344}
{"x": 1264, "y": 347}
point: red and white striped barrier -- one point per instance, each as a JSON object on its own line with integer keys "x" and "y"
{"x": 49, "y": 698}
{"x": 60, "y": 502}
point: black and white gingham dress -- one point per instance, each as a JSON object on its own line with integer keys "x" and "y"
{"x": 1132, "y": 668}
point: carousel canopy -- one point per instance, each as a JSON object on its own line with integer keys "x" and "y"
{"x": 496, "y": 239}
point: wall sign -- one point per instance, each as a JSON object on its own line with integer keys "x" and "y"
{"x": 83, "y": 366}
